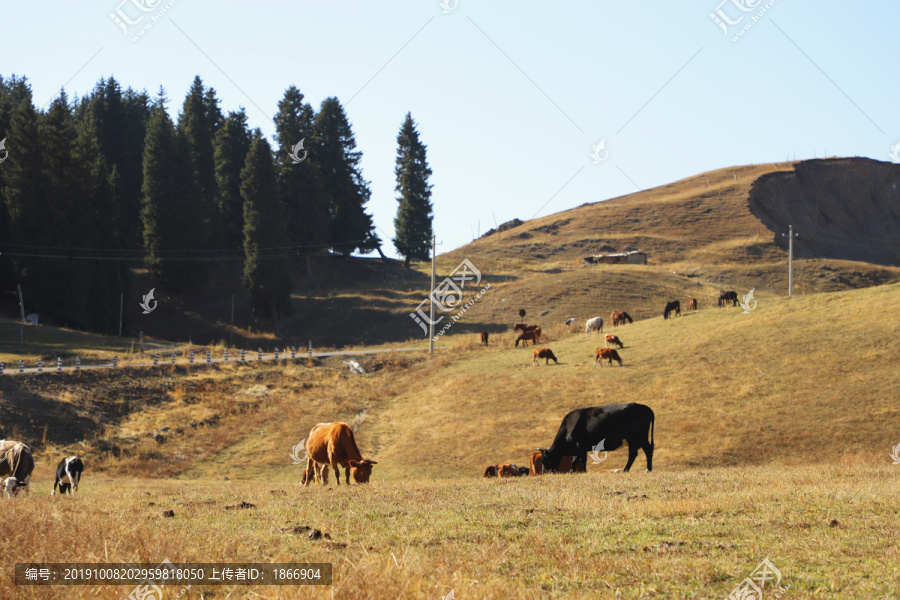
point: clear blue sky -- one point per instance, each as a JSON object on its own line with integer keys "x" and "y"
{"x": 510, "y": 97}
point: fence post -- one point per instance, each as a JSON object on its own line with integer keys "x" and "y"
{"x": 309, "y": 354}
{"x": 21, "y": 366}
{"x": 293, "y": 353}
{"x": 58, "y": 364}
{"x": 173, "y": 359}
{"x": 40, "y": 366}
{"x": 77, "y": 364}
{"x": 208, "y": 357}
{"x": 243, "y": 355}
{"x": 1, "y": 368}
{"x": 276, "y": 355}
{"x": 259, "y": 356}
{"x": 191, "y": 359}
{"x": 156, "y": 360}
{"x": 115, "y": 362}
{"x": 226, "y": 354}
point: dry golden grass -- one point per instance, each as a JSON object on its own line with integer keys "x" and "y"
{"x": 689, "y": 534}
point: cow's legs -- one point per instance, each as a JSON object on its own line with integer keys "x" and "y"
{"x": 579, "y": 462}
{"x": 337, "y": 472}
{"x": 648, "y": 452}
{"x": 632, "y": 454}
{"x": 55, "y": 483}
{"x": 75, "y": 483}
{"x": 310, "y": 471}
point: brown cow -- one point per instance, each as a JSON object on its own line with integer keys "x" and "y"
{"x": 618, "y": 318}
{"x": 508, "y": 471}
{"x": 607, "y": 354}
{"x": 565, "y": 465}
{"x": 546, "y": 353}
{"x": 533, "y": 336}
{"x": 491, "y": 471}
{"x": 334, "y": 444}
{"x": 484, "y": 338}
{"x": 16, "y": 465}
{"x": 692, "y": 305}
{"x": 614, "y": 339}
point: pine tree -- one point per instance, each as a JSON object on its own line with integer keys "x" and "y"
{"x": 300, "y": 183}
{"x": 23, "y": 181}
{"x": 232, "y": 142}
{"x": 266, "y": 274}
{"x": 168, "y": 212}
{"x": 120, "y": 124}
{"x": 413, "y": 223}
{"x": 346, "y": 192}
{"x": 198, "y": 122}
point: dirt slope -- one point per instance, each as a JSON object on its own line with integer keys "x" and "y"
{"x": 847, "y": 208}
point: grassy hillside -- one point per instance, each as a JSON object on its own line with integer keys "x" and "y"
{"x": 772, "y": 435}
{"x": 808, "y": 379}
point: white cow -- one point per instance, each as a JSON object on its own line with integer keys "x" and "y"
{"x": 595, "y": 323}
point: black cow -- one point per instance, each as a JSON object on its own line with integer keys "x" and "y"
{"x": 523, "y": 471}
{"x": 583, "y": 430}
{"x": 674, "y": 305}
{"x": 68, "y": 475}
{"x": 726, "y": 297}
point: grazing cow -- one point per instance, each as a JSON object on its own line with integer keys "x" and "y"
{"x": 570, "y": 321}
{"x": 546, "y": 353}
{"x": 565, "y": 465}
{"x": 725, "y": 297}
{"x": 613, "y": 339}
{"x": 334, "y": 444}
{"x": 523, "y": 471}
{"x": 68, "y": 475}
{"x": 692, "y": 305}
{"x": 592, "y": 324}
{"x": 607, "y": 354}
{"x": 16, "y": 465}
{"x": 673, "y": 305}
{"x": 534, "y": 336}
{"x": 484, "y": 338}
{"x": 620, "y": 318}
{"x": 584, "y": 429}
{"x": 508, "y": 471}
{"x": 491, "y": 471}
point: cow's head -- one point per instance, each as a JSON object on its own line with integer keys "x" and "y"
{"x": 361, "y": 470}
{"x": 549, "y": 461}
{"x": 11, "y": 486}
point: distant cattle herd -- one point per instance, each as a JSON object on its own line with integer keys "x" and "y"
{"x": 599, "y": 428}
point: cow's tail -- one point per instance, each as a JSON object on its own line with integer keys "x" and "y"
{"x": 652, "y": 424}
{"x": 14, "y": 453}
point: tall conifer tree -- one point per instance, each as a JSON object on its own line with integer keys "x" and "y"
{"x": 413, "y": 223}
{"x": 350, "y": 226}
{"x": 266, "y": 275}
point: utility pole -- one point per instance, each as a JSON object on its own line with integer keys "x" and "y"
{"x": 431, "y": 303}
{"x": 790, "y": 235}
{"x": 22, "y": 310}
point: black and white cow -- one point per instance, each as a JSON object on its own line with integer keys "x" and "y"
{"x": 16, "y": 466}
{"x": 68, "y": 474}
{"x": 584, "y": 429}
